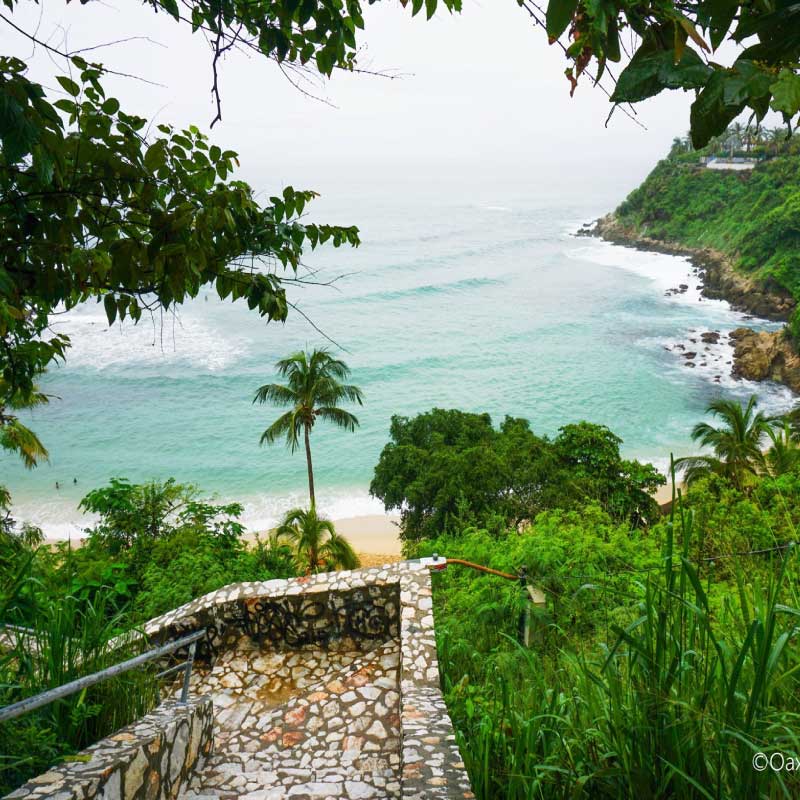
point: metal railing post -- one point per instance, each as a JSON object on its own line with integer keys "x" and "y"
{"x": 187, "y": 672}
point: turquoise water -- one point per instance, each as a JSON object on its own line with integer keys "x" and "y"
{"x": 488, "y": 305}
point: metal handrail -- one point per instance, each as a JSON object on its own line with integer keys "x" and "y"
{"x": 42, "y": 699}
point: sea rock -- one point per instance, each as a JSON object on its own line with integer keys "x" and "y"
{"x": 763, "y": 355}
{"x": 711, "y": 337}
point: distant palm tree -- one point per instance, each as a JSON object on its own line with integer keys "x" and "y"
{"x": 784, "y": 454}
{"x": 776, "y": 137}
{"x": 314, "y": 391}
{"x": 317, "y": 547}
{"x": 736, "y": 443}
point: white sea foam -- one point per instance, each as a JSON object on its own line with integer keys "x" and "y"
{"x": 666, "y": 271}
{"x": 60, "y": 519}
{"x": 191, "y": 339}
{"x": 713, "y": 360}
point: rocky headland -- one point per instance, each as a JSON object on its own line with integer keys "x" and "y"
{"x": 762, "y": 356}
{"x": 758, "y": 355}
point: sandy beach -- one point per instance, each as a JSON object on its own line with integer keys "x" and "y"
{"x": 375, "y": 537}
{"x": 374, "y": 534}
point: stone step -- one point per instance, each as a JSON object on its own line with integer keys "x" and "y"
{"x": 339, "y": 739}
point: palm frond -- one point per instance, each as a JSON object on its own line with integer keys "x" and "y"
{"x": 695, "y": 467}
{"x": 17, "y": 438}
{"x": 315, "y": 541}
{"x": 275, "y": 394}
{"x": 286, "y": 425}
{"x": 338, "y": 416}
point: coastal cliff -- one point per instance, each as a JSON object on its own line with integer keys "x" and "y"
{"x": 761, "y": 355}
{"x": 741, "y": 232}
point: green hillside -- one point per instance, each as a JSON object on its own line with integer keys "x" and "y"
{"x": 751, "y": 216}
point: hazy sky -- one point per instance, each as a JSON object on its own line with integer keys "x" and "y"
{"x": 482, "y": 97}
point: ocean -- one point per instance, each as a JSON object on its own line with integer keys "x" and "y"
{"x": 463, "y": 301}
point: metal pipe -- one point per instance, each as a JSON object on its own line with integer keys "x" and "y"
{"x": 39, "y": 700}
{"x": 481, "y": 568}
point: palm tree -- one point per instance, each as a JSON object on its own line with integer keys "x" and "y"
{"x": 736, "y": 443}
{"x": 784, "y": 454}
{"x": 314, "y": 390}
{"x": 316, "y": 544}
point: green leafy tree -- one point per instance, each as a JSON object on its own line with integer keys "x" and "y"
{"x": 445, "y": 469}
{"x": 135, "y": 518}
{"x": 589, "y": 457}
{"x": 317, "y": 547}
{"x": 314, "y": 390}
{"x": 678, "y": 46}
{"x": 736, "y": 443}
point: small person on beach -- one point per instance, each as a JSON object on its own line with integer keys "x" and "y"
{"x": 58, "y": 485}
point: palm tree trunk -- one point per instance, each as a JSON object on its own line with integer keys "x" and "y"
{"x": 310, "y": 468}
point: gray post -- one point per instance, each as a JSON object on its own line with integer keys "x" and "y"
{"x": 187, "y": 673}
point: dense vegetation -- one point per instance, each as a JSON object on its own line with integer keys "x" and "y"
{"x": 447, "y": 468}
{"x": 654, "y": 673}
{"x": 666, "y": 656}
{"x": 751, "y": 216}
{"x": 664, "y": 661}
{"x": 154, "y": 547}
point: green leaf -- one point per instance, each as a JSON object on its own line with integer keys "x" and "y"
{"x": 69, "y": 86}
{"x": 171, "y": 7}
{"x": 67, "y": 106}
{"x": 786, "y": 93}
{"x": 648, "y": 73}
{"x": 559, "y": 15}
{"x": 111, "y": 308}
{"x": 710, "y": 115}
{"x": 721, "y": 15}
{"x": 111, "y": 106}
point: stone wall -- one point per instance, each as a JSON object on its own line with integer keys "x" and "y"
{"x": 152, "y": 759}
{"x": 358, "y": 617}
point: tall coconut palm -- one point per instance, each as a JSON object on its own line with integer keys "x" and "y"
{"x": 736, "y": 443}
{"x": 314, "y": 391}
{"x": 317, "y": 547}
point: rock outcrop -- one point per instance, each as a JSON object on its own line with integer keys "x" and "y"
{"x": 763, "y": 355}
{"x": 758, "y": 356}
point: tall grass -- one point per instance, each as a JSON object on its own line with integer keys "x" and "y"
{"x": 675, "y": 705}
{"x": 67, "y": 638}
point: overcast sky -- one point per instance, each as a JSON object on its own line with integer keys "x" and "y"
{"x": 481, "y": 94}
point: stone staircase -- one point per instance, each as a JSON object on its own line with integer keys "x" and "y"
{"x": 304, "y": 725}
{"x": 321, "y": 687}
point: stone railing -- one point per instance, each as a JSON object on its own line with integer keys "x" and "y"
{"x": 154, "y": 758}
